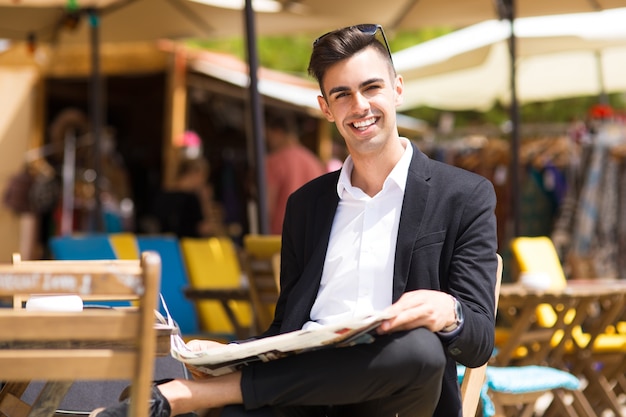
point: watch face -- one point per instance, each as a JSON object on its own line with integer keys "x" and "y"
{"x": 458, "y": 311}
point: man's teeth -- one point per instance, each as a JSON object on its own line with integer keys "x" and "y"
{"x": 364, "y": 123}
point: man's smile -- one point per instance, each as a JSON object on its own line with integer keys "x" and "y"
{"x": 364, "y": 124}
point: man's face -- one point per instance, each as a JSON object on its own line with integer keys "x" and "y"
{"x": 361, "y": 99}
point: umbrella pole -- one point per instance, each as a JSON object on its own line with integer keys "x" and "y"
{"x": 258, "y": 126}
{"x": 95, "y": 218}
{"x": 507, "y": 11}
{"x": 603, "y": 97}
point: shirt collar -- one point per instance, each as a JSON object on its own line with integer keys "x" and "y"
{"x": 398, "y": 174}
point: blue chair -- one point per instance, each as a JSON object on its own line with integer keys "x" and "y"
{"x": 173, "y": 281}
{"x": 85, "y": 248}
{"x": 81, "y": 247}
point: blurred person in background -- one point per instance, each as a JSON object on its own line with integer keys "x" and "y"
{"x": 187, "y": 208}
{"x": 288, "y": 165}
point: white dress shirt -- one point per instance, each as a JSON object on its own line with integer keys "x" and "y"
{"x": 357, "y": 278}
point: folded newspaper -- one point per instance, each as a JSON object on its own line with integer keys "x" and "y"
{"x": 230, "y": 357}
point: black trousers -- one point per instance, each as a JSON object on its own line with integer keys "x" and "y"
{"x": 396, "y": 375}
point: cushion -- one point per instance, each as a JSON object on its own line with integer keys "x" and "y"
{"x": 524, "y": 379}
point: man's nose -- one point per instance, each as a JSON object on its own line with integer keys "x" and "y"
{"x": 360, "y": 102}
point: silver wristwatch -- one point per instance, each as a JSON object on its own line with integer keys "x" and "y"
{"x": 458, "y": 317}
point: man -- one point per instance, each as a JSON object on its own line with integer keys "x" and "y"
{"x": 392, "y": 230}
{"x": 289, "y": 165}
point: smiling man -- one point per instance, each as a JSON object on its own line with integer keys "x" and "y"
{"x": 391, "y": 231}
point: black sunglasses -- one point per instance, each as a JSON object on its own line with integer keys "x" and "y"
{"x": 367, "y": 28}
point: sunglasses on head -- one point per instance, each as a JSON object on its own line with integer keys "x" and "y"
{"x": 367, "y": 28}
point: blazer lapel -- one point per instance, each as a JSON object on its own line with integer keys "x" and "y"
{"x": 411, "y": 218}
{"x": 308, "y": 285}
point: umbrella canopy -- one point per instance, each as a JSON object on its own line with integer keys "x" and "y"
{"x": 557, "y": 57}
{"x": 459, "y": 13}
{"x": 66, "y": 21}
{"x": 293, "y": 16}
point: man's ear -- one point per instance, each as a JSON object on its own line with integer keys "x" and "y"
{"x": 399, "y": 88}
{"x": 321, "y": 101}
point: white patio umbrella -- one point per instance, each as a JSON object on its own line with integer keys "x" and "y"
{"x": 557, "y": 57}
{"x": 550, "y": 57}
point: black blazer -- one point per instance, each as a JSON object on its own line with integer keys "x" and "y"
{"x": 446, "y": 241}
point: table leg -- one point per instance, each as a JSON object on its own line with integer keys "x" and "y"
{"x": 49, "y": 398}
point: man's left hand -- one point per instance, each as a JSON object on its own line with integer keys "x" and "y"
{"x": 420, "y": 308}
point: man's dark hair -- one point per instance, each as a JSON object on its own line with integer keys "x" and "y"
{"x": 339, "y": 45}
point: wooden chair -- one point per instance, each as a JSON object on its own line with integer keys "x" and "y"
{"x": 259, "y": 263}
{"x": 474, "y": 378}
{"x": 276, "y": 269}
{"x": 93, "y": 344}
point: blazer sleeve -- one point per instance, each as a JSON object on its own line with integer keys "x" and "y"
{"x": 471, "y": 276}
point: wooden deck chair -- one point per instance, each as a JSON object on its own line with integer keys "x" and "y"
{"x": 90, "y": 344}
{"x": 81, "y": 247}
{"x": 258, "y": 253}
{"x": 473, "y": 379}
{"x": 213, "y": 264}
{"x": 124, "y": 245}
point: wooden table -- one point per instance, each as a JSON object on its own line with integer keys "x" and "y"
{"x": 581, "y": 313}
{"x": 53, "y": 392}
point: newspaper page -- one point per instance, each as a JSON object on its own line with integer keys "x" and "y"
{"x": 230, "y": 357}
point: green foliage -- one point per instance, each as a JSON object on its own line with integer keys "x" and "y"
{"x": 291, "y": 54}
{"x": 283, "y": 53}
{"x": 406, "y": 39}
{"x": 557, "y": 111}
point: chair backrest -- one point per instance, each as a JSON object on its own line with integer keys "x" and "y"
{"x": 258, "y": 255}
{"x": 276, "y": 268}
{"x": 538, "y": 255}
{"x": 214, "y": 263}
{"x": 19, "y": 300}
{"x": 474, "y": 378}
{"x": 93, "y": 344}
{"x": 174, "y": 280}
{"x": 81, "y": 247}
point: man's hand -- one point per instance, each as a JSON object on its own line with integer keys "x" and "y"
{"x": 197, "y": 345}
{"x": 420, "y": 308}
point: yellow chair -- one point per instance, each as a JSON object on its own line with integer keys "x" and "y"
{"x": 213, "y": 263}
{"x": 260, "y": 259}
{"x": 538, "y": 255}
